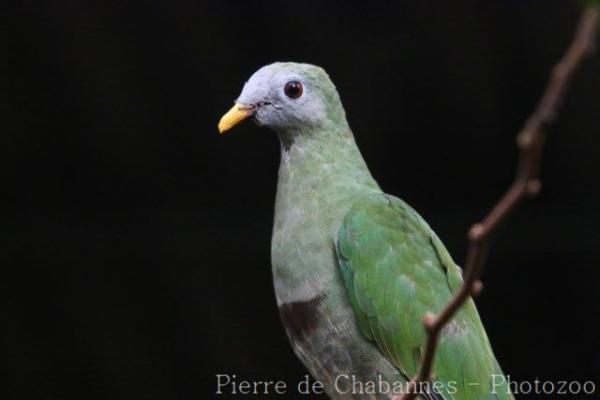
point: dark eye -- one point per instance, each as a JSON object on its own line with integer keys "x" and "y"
{"x": 293, "y": 89}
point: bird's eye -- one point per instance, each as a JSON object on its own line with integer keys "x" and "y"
{"x": 293, "y": 89}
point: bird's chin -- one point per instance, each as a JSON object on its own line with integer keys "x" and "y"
{"x": 257, "y": 121}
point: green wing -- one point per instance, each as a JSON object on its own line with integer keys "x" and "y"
{"x": 396, "y": 269}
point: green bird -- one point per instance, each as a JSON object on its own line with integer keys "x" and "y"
{"x": 356, "y": 269}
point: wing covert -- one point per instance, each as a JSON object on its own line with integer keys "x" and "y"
{"x": 395, "y": 270}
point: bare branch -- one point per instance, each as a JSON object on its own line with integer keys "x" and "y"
{"x": 530, "y": 141}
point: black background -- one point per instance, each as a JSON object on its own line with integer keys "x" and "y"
{"x": 136, "y": 239}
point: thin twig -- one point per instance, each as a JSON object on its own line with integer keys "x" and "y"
{"x": 530, "y": 141}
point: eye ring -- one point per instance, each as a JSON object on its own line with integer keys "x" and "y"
{"x": 293, "y": 89}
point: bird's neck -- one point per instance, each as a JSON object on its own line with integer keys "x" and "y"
{"x": 318, "y": 162}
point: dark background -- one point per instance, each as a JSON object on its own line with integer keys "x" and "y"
{"x": 136, "y": 240}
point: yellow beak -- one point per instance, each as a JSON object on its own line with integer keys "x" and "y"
{"x": 237, "y": 113}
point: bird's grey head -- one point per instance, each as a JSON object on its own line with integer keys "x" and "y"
{"x": 289, "y": 98}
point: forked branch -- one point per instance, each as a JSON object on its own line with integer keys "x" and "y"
{"x": 530, "y": 141}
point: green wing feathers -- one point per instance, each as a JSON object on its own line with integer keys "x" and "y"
{"x": 396, "y": 269}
